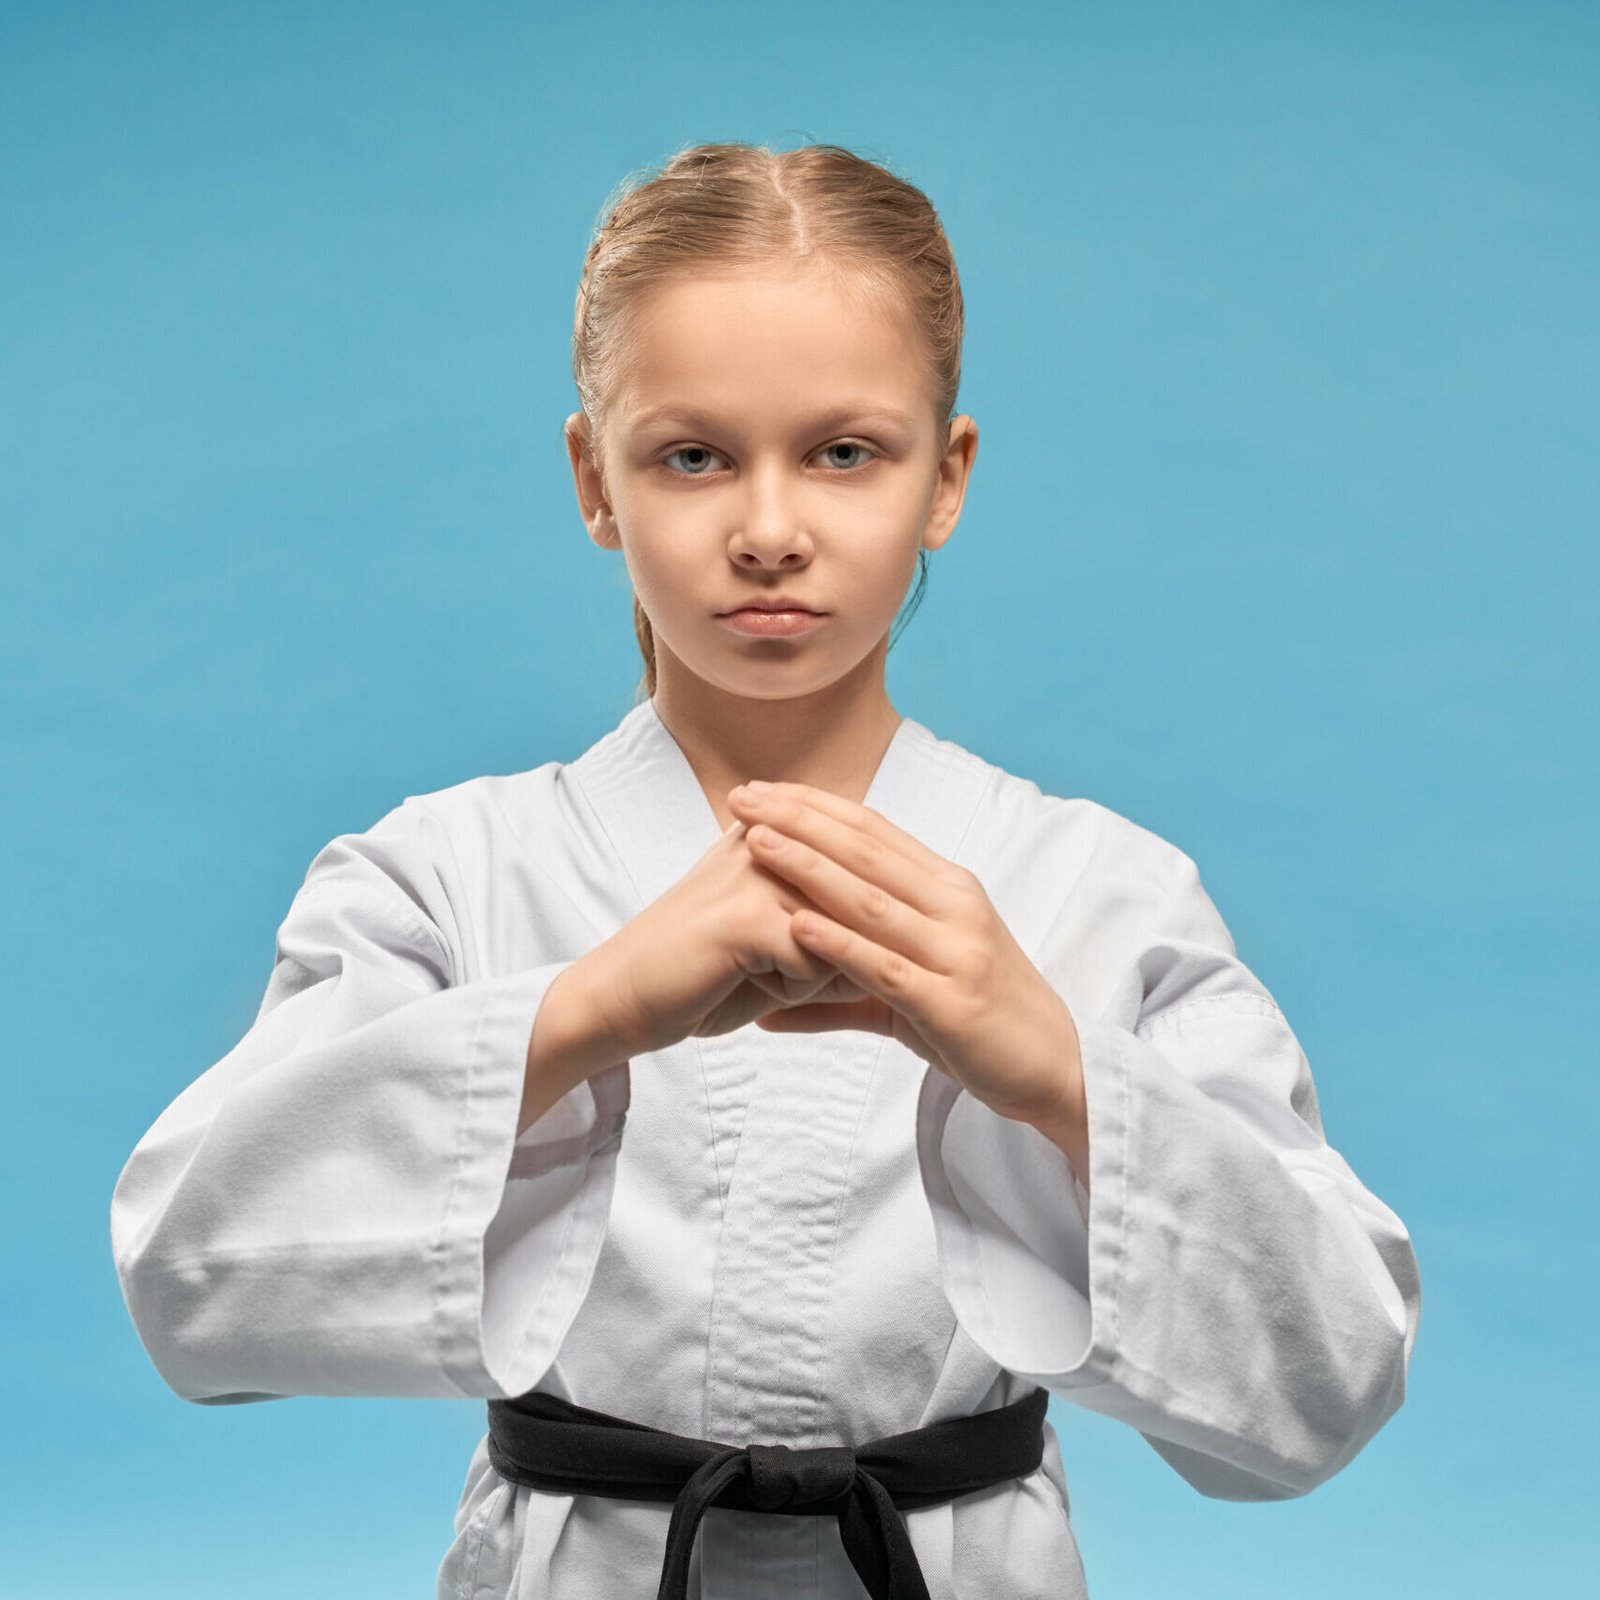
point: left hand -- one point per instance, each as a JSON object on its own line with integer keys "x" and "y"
{"x": 941, "y": 971}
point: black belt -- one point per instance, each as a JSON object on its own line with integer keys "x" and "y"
{"x": 548, "y": 1443}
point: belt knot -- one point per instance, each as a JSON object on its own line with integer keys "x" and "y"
{"x": 780, "y": 1476}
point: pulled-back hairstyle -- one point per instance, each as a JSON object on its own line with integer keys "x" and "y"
{"x": 719, "y": 207}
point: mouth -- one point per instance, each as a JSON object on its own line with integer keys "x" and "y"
{"x": 782, "y": 608}
{"x": 764, "y": 622}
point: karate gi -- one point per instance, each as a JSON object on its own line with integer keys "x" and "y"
{"x": 805, "y": 1239}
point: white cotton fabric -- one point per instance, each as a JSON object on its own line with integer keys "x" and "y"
{"x": 806, "y": 1239}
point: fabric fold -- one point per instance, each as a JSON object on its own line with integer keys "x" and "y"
{"x": 801, "y": 1244}
{"x": 1232, "y": 1290}
{"x": 340, "y": 1205}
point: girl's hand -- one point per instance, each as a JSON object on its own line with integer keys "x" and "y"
{"x": 939, "y": 969}
{"x": 713, "y": 953}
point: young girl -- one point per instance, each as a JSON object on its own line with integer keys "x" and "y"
{"x": 767, "y": 1154}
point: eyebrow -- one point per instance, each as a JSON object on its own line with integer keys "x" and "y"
{"x": 869, "y": 411}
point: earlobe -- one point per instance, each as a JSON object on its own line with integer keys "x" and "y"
{"x": 601, "y": 526}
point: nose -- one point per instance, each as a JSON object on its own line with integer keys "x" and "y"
{"x": 770, "y": 528}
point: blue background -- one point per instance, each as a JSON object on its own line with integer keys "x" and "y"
{"x": 1281, "y": 541}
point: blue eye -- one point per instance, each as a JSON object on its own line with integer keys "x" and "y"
{"x": 701, "y": 451}
{"x": 690, "y": 450}
{"x": 847, "y": 444}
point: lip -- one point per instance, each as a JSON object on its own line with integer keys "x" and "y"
{"x": 760, "y": 623}
{"x": 776, "y": 602}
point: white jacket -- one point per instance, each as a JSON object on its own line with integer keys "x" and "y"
{"x": 805, "y": 1239}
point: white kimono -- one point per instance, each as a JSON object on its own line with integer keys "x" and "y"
{"x": 807, "y": 1239}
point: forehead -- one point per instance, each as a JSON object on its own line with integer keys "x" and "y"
{"x": 791, "y": 340}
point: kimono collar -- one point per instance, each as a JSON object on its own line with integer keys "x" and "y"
{"x": 659, "y": 821}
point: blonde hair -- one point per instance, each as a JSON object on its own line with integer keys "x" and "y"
{"x": 734, "y": 205}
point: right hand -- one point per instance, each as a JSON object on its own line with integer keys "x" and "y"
{"x": 711, "y": 954}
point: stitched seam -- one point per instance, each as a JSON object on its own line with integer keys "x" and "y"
{"x": 843, "y": 1201}
{"x": 1119, "y": 1267}
{"x": 561, "y": 1254}
{"x": 415, "y": 923}
{"x": 461, "y": 877}
{"x": 994, "y": 1325}
{"x": 438, "y": 1249}
{"x": 1243, "y": 1005}
{"x": 781, "y": 1251}
{"x": 977, "y": 807}
{"x": 711, "y": 1133}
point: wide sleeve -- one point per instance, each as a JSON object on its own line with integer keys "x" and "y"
{"x": 1229, "y": 1288}
{"x": 340, "y": 1205}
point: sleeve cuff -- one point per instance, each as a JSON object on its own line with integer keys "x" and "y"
{"x": 526, "y": 1214}
{"x": 1032, "y": 1262}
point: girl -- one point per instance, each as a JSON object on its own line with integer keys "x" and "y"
{"x": 767, "y": 1154}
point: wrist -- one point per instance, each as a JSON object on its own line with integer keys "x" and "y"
{"x": 570, "y": 1042}
{"x": 1070, "y": 1135}
{"x": 1066, "y": 1123}
{"x": 607, "y": 1024}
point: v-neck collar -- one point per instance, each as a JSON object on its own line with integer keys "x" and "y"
{"x": 650, "y": 803}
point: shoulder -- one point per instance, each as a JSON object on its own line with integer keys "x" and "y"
{"x": 426, "y": 845}
{"x": 426, "y": 822}
{"x": 509, "y": 802}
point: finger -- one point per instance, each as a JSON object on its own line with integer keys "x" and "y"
{"x": 790, "y": 986}
{"x": 899, "y": 983}
{"x": 786, "y": 805}
{"x": 863, "y": 905}
{"x": 792, "y": 991}
{"x": 784, "y": 969}
{"x": 835, "y": 995}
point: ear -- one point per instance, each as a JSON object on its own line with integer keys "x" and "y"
{"x": 955, "y": 469}
{"x": 589, "y": 481}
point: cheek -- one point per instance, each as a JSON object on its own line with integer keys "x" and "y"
{"x": 890, "y": 556}
{"x": 669, "y": 571}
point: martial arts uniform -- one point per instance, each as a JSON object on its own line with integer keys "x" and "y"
{"x": 810, "y": 1241}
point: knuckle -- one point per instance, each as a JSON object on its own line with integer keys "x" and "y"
{"x": 896, "y": 973}
{"x": 876, "y": 903}
{"x": 964, "y": 881}
{"x": 979, "y": 962}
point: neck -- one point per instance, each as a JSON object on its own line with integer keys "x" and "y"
{"x": 833, "y": 740}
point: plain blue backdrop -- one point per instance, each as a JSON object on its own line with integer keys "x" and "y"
{"x": 1282, "y": 343}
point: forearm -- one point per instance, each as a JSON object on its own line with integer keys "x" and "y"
{"x": 571, "y": 1041}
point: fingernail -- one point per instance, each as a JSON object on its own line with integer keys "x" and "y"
{"x": 756, "y": 787}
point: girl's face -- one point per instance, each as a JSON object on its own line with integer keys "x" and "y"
{"x": 772, "y": 435}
